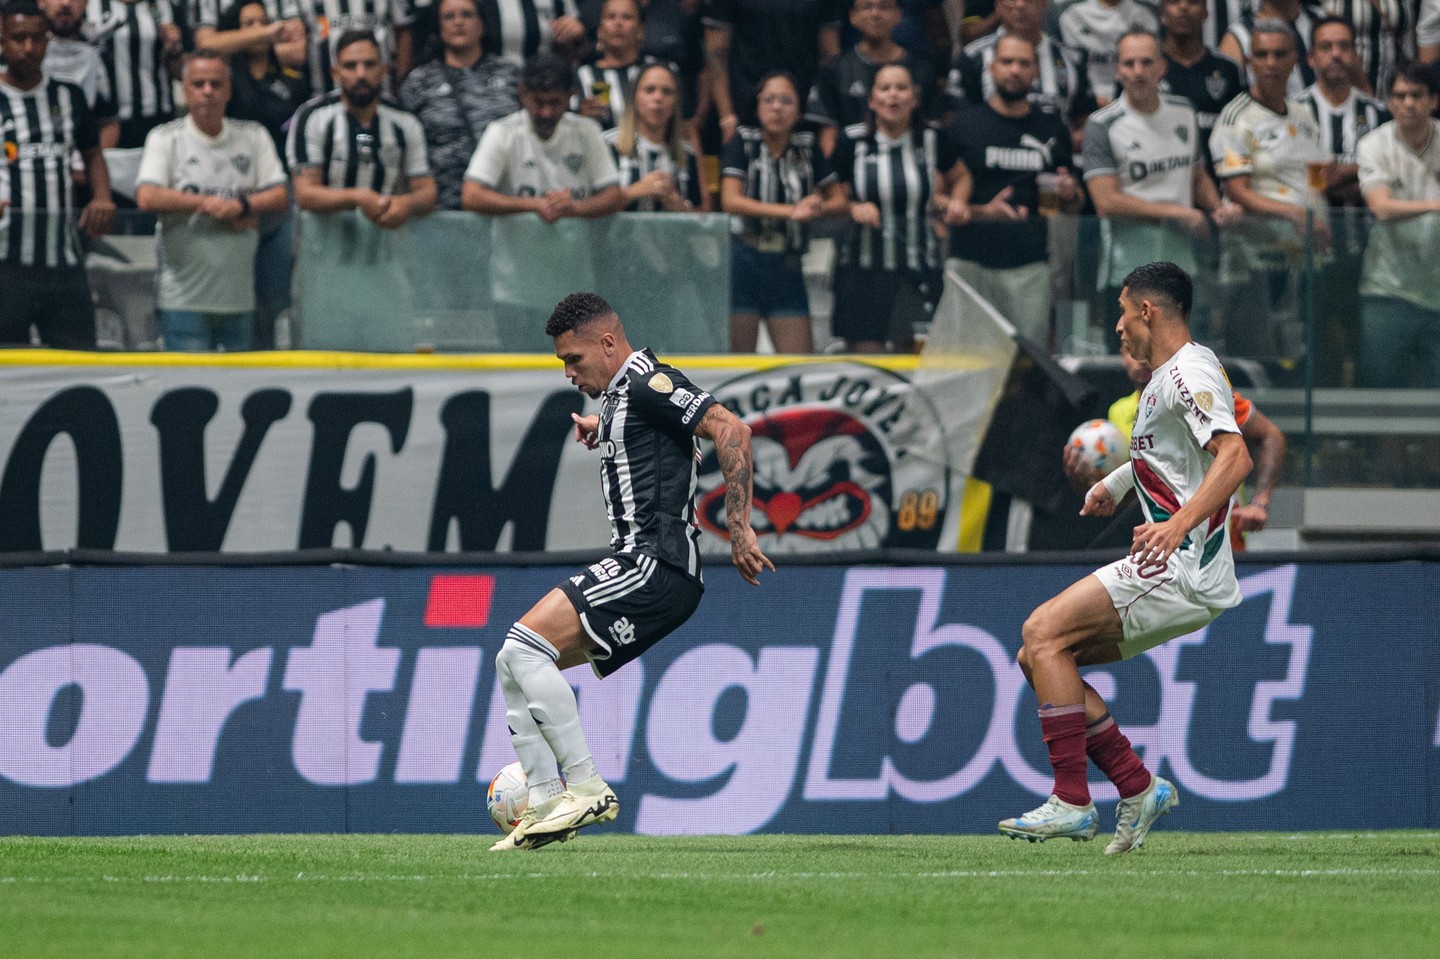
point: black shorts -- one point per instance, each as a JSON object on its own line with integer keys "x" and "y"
{"x": 628, "y": 603}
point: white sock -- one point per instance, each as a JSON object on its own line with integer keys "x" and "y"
{"x": 541, "y": 770}
{"x": 531, "y": 660}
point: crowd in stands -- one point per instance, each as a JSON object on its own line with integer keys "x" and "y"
{"x": 1228, "y": 136}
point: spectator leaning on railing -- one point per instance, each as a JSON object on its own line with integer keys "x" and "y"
{"x": 350, "y": 151}
{"x": 1147, "y": 170}
{"x": 43, "y": 122}
{"x": 1400, "y": 285}
{"x": 209, "y": 178}
{"x": 542, "y": 159}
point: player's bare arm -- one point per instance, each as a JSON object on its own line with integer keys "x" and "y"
{"x": 1154, "y": 542}
{"x": 737, "y": 464}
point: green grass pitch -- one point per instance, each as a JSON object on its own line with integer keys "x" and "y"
{"x": 617, "y": 896}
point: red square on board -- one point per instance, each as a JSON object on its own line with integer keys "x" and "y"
{"x": 459, "y": 601}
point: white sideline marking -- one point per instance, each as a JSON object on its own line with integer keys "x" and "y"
{"x": 721, "y": 877}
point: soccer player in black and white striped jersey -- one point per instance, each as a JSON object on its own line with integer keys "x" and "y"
{"x": 901, "y": 175}
{"x": 43, "y": 122}
{"x": 137, "y": 38}
{"x": 648, "y": 429}
{"x": 348, "y": 150}
{"x": 657, "y": 164}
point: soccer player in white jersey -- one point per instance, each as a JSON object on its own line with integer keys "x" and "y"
{"x": 1186, "y": 460}
{"x": 647, "y": 431}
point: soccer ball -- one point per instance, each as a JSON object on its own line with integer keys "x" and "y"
{"x": 508, "y": 796}
{"x": 1100, "y": 444}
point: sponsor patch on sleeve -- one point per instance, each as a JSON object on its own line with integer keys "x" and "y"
{"x": 661, "y": 383}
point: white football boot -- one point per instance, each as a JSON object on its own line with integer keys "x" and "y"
{"x": 1057, "y": 819}
{"x": 1135, "y": 816}
{"x": 521, "y": 837}
{"x": 582, "y": 804}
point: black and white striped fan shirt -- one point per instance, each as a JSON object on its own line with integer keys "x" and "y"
{"x": 900, "y": 177}
{"x": 328, "y": 20}
{"x": 40, "y": 129}
{"x": 650, "y": 157}
{"x": 1342, "y": 127}
{"x": 1384, "y": 34}
{"x": 128, "y": 35}
{"x": 206, "y": 13}
{"x": 618, "y": 79}
{"x": 384, "y": 156}
{"x": 523, "y": 26}
{"x": 649, "y": 461}
{"x": 788, "y": 179}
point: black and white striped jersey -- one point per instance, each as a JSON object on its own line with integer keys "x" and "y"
{"x": 788, "y": 178}
{"x": 1342, "y": 127}
{"x": 328, "y": 20}
{"x": 40, "y": 129}
{"x": 610, "y": 83}
{"x": 1063, "y": 83}
{"x": 384, "y": 156}
{"x": 649, "y": 461}
{"x": 899, "y": 176}
{"x": 650, "y": 157}
{"x": 128, "y": 35}
{"x": 523, "y": 26}
{"x": 1384, "y": 34}
{"x": 206, "y": 13}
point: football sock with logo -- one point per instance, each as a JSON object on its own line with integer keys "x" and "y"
{"x": 1110, "y": 750}
{"x": 1063, "y": 728}
{"x": 531, "y": 661}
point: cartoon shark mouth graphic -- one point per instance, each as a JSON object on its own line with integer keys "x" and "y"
{"x": 820, "y": 475}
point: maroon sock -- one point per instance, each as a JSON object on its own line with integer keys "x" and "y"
{"x": 1063, "y": 728}
{"x": 1109, "y": 750}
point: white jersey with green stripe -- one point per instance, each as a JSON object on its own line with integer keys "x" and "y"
{"x": 1185, "y": 405}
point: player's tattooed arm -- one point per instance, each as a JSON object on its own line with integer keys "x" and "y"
{"x": 737, "y": 464}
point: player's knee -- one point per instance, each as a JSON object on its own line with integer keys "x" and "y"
{"x": 1038, "y": 635}
{"x": 1023, "y": 659}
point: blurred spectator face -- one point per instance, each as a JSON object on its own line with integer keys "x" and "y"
{"x": 1139, "y": 67}
{"x": 207, "y": 90}
{"x": 64, "y": 16}
{"x": 1014, "y": 69}
{"x": 545, "y": 107}
{"x": 1183, "y": 18}
{"x": 779, "y": 104}
{"x": 1411, "y": 104}
{"x": 359, "y": 72}
{"x": 461, "y": 27}
{"x": 875, "y": 20}
{"x": 1024, "y": 17}
{"x": 893, "y": 97}
{"x": 253, "y": 15}
{"x": 655, "y": 97}
{"x": 22, "y": 46}
{"x": 1272, "y": 57}
{"x": 1332, "y": 54}
{"x": 621, "y": 29}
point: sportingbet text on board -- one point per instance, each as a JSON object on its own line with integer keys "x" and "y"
{"x": 841, "y": 699}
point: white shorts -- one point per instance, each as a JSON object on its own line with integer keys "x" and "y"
{"x": 1157, "y": 606}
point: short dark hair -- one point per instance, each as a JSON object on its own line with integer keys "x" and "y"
{"x": 1163, "y": 279}
{"x": 204, "y": 53}
{"x": 575, "y": 311}
{"x": 351, "y": 37}
{"x": 1417, "y": 73}
{"x": 1331, "y": 20}
{"x": 546, "y": 73}
{"x": 1137, "y": 32}
{"x": 21, "y": 8}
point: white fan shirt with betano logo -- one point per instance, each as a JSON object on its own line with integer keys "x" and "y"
{"x": 1184, "y": 406}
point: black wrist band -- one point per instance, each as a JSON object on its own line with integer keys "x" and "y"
{"x": 244, "y": 204}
